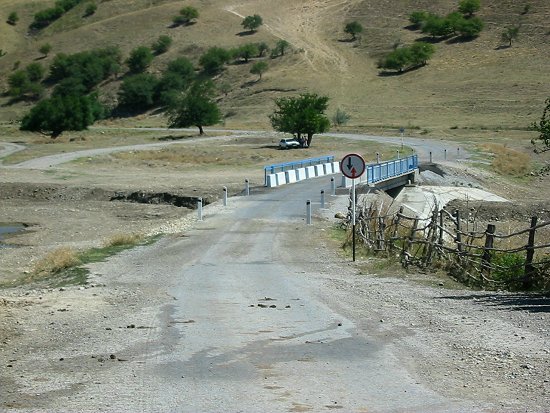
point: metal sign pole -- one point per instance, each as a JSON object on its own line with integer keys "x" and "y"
{"x": 353, "y": 215}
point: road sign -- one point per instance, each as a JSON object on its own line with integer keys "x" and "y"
{"x": 352, "y": 166}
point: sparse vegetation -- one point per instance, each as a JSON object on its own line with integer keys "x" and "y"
{"x": 23, "y": 84}
{"x": 47, "y": 16}
{"x": 280, "y": 48}
{"x": 57, "y": 261}
{"x": 354, "y": 29}
{"x": 123, "y": 240}
{"x": 340, "y": 118}
{"x": 252, "y": 23}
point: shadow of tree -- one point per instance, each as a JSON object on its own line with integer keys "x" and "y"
{"x": 245, "y": 33}
{"x": 533, "y": 303}
{"x": 387, "y": 73}
{"x": 503, "y": 47}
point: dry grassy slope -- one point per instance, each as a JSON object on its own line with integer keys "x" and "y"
{"x": 472, "y": 84}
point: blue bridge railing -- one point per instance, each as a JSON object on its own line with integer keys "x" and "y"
{"x": 384, "y": 170}
{"x": 281, "y": 167}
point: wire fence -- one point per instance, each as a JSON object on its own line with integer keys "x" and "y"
{"x": 518, "y": 260}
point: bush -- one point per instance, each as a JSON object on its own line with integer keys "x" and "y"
{"x": 45, "y": 49}
{"x": 280, "y": 47}
{"x": 45, "y": 17}
{"x": 245, "y": 52}
{"x": 406, "y": 58}
{"x": 417, "y": 18}
{"x": 90, "y": 9}
{"x": 353, "y": 28}
{"x": 138, "y": 92}
{"x": 35, "y": 72}
{"x": 13, "y": 18}
{"x": 470, "y": 28}
{"x": 187, "y": 14}
{"x": 169, "y": 88}
{"x": 469, "y": 7}
{"x": 437, "y": 26}
{"x": 162, "y": 44}
{"x": 213, "y": 60}
{"x": 182, "y": 67}
{"x": 57, "y": 261}
{"x": 259, "y": 68}
{"x": 140, "y": 58}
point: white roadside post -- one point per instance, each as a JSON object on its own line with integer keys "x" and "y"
{"x": 224, "y": 196}
{"x": 199, "y": 208}
{"x": 247, "y": 187}
{"x": 333, "y": 186}
{"x": 322, "y": 199}
{"x": 353, "y": 166}
{"x": 308, "y": 212}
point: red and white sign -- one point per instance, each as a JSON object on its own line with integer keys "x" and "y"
{"x": 352, "y": 165}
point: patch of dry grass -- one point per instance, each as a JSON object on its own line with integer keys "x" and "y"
{"x": 507, "y": 161}
{"x": 56, "y": 261}
{"x": 123, "y": 239}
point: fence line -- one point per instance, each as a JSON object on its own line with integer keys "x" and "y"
{"x": 477, "y": 257}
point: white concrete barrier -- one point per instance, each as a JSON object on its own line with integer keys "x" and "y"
{"x": 271, "y": 180}
{"x": 300, "y": 174}
{"x": 336, "y": 167}
{"x": 319, "y": 170}
{"x": 310, "y": 172}
{"x": 281, "y": 178}
{"x": 290, "y": 176}
{"x": 327, "y": 167}
{"x": 346, "y": 182}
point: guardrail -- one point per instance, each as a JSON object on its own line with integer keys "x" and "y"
{"x": 281, "y": 167}
{"x": 384, "y": 170}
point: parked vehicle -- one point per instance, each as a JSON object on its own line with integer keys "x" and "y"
{"x": 289, "y": 143}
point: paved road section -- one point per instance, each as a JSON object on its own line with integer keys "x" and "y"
{"x": 247, "y": 329}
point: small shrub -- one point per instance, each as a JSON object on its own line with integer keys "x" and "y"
{"x": 123, "y": 240}
{"x": 186, "y": 16}
{"x": 252, "y": 23}
{"x": 340, "y": 117}
{"x": 45, "y": 49}
{"x": 140, "y": 58}
{"x": 162, "y": 44}
{"x": 57, "y": 261}
{"x": 417, "y": 18}
{"x": 13, "y": 18}
{"x": 508, "y": 268}
{"x": 90, "y": 9}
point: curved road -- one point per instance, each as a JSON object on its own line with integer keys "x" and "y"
{"x": 422, "y": 147}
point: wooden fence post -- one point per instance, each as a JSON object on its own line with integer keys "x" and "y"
{"x": 458, "y": 237}
{"x": 486, "y": 258}
{"x": 529, "y": 269}
{"x": 409, "y": 240}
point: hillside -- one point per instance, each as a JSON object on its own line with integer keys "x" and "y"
{"x": 467, "y": 85}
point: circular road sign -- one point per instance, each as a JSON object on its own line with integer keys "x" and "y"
{"x": 352, "y": 165}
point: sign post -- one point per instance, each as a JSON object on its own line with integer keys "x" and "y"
{"x": 353, "y": 166}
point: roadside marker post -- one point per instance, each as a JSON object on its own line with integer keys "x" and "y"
{"x": 247, "y": 187}
{"x": 445, "y": 151}
{"x": 333, "y": 186}
{"x": 199, "y": 208}
{"x": 322, "y": 199}
{"x": 308, "y": 212}
{"x": 353, "y": 166}
{"x": 224, "y": 196}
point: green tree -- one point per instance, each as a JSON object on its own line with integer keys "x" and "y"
{"x": 280, "y": 47}
{"x": 245, "y": 52}
{"x": 399, "y": 60}
{"x": 60, "y": 113}
{"x": 509, "y": 34}
{"x": 186, "y": 16}
{"x": 183, "y": 67}
{"x": 140, "y": 58}
{"x": 262, "y": 49}
{"x": 543, "y": 128}
{"x": 137, "y": 92}
{"x": 252, "y": 23}
{"x": 421, "y": 52}
{"x": 417, "y": 18}
{"x": 437, "y": 26}
{"x": 469, "y": 7}
{"x": 196, "y": 108}
{"x": 35, "y": 72}
{"x": 13, "y": 18}
{"x": 470, "y": 28}
{"x": 18, "y": 83}
{"x": 259, "y": 68}
{"x": 45, "y": 49}
{"x": 213, "y": 60}
{"x": 353, "y": 28}
{"x": 302, "y": 115}
{"x": 162, "y": 44}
